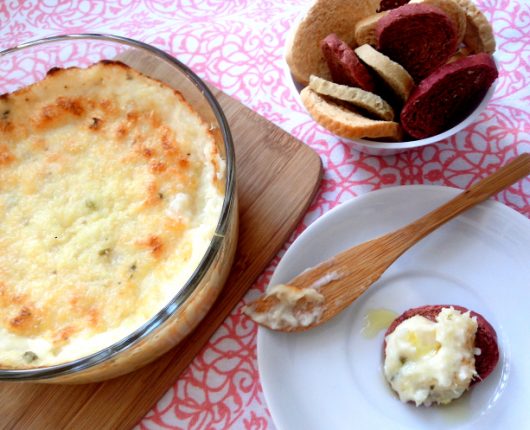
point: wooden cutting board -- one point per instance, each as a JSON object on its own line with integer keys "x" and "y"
{"x": 277, "y": 177}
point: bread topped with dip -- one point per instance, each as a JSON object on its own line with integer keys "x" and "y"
{"x": 434, "y": 353}
{"x": 111, "y": 187}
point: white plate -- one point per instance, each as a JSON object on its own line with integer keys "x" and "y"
{"x": 331, "y": 378}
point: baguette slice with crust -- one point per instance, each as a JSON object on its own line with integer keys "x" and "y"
{"x": 344, "y": 65}
{"x": 358, "y": 97}
{"x": 365, "y": 29}
{"x": 303, "y": 54}
{"x": 391, "y": 72}
{"x": 346, "y": 123}
{"x": 454, "y": 11}
{"x": 448, "y": 95}
{"x": 479, "y": 33}
{"x": 420, "y": 37}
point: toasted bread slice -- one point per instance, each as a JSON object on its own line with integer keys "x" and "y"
{"x": 454, "y": 11}
{"x": 479, "y": 33}
{"x": 303, "y": 54}
{"x": 346, "y": 123}
{"x": 370, "y": 102}
{"x": 344, "y": 65}
{"x": 420, "y": 37}
{"x": 448, "y": 95}
{"x": 365, "y": 29}
{"x": 391, "y": 72}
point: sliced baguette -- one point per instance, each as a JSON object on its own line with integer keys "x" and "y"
{"x": 479, "y": 33}
{"x": 391, "y": 72}
{"x": 454, "y": 11}
{"x": 448, "y": 95}
{"x": 303, "y": 54}
{"x": 370, "y": 102}
{"x": 365, "y": 29}
{"x": 346, "y": 123}
{"x": 418, "y": 36}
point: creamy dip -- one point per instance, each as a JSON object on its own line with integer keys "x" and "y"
{"x": 291, "y": 307}
{"x": 430, "y": 362}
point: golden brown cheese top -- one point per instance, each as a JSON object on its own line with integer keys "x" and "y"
{"x": 110, "y": 192}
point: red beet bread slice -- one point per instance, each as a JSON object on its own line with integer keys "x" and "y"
{"x": 418, "y": 36}
{"x": 448, "y": 95}
{"x": 485, "y": 338}
{"x": 390, "y": 4}
{"x": 344, "y": 65}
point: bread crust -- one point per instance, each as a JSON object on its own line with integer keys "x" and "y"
{"x": 479, "y": 35}
{"x": 420, "y": 37}
{"x": 454, "y": 11}
{"x": 303, "y": 54}
{"x": 365, "y": 29}
{"x": 448, "y": 95}
{"x": 344, "y": 122}
{"x": 344, "y": 65}
{"x": 370, "y": 102}
{"x": 391, "y": 72}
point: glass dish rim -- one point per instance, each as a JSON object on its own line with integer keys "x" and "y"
{"x": 206, "y": 262}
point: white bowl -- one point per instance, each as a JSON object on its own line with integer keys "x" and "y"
{"x": 374, "y": 147}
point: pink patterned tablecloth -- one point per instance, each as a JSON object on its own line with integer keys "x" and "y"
{"x": 237, "y": 45}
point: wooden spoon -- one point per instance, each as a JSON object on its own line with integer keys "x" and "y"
{"x": 323, "y": 291}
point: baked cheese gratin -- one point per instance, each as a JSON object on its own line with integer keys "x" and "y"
{"x": 111, "y": 187}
